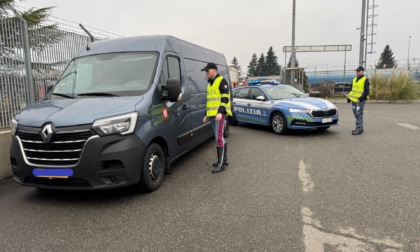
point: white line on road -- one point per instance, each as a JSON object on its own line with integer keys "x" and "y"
{"x": 408, "y": 126}
{"x": 4, "y": 132}
{"x": 305, "y": 177}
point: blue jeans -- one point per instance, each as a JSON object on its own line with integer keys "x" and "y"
{"x": 358, "y": 113}
{"x": 219, "y": 129}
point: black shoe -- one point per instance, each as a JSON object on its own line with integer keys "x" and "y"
{"x": 225, "y": 160}
{"x": 357, "y": 132}
{"x": 220, "y": 164}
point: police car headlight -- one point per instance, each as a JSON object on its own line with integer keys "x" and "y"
{"x": 293, "y": 110}
{"x": 123, "y": 125}
{"x": 13, "y": 126}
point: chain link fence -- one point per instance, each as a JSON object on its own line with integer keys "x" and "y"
{"x": 31, "y": 61}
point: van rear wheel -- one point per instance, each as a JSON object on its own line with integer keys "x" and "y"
{"x": 153, "y": 168}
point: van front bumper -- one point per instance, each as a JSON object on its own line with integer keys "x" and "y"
{"x": 105, "y": 162}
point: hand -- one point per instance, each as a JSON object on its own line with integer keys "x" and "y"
{"x": 348, "y": 100}
{"x": 204, "y": 119}
{"x": 357, "y": 101}
{"x": 219, "y": 117}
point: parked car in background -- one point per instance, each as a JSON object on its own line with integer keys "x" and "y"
{"x": 282, "y": 107}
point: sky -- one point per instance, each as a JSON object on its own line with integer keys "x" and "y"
{"x": 239, "y": 28}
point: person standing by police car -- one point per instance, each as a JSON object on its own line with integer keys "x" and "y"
{"x": 217, "y": 108}
{"x": 358, "y": 95}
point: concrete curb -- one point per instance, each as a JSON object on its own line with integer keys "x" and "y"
{"x": 378, "y": 101}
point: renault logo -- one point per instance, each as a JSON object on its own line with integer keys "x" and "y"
{"x": 47, "y": 133}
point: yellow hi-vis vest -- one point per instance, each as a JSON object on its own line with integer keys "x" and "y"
{"x": 214, "y": 98}
{"x": 358, "y": 88}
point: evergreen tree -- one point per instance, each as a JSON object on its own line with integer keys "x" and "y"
{"x": 271, "y": 64}
{"x": 387, "y": 59}
{"x": 236, "y": 63}
{"x": 252, "y": 67}
{"x": 261, "y": 69}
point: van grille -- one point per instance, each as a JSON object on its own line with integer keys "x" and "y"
{"x": 64, "y": 149}
{"x": 324, "y": 113}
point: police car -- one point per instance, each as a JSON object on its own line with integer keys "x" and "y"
{"x": 282, "y": 107}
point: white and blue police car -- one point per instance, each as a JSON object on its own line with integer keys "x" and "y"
{"x": 281, "y": 107}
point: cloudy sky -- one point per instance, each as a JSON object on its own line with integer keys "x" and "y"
{"x": 242, "y": 27}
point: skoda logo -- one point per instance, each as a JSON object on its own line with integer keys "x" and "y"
{"x": 47, "y": 133}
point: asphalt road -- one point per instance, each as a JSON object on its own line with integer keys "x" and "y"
{"x": 305, "y": 191}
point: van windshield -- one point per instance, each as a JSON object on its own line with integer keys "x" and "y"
{"x": 115, "y": 74}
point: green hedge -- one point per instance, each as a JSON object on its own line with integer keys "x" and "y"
{"x": 394, "y": 87}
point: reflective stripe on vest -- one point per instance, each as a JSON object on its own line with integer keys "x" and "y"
{"x": 214, "y": 98}
{"x": 358, "y": 88}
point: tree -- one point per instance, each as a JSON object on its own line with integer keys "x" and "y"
{"x": 271, "y": 64}
{"x": 252, "y": 67}
{"x": 261, "y": 68}
{"x": 39, "y": 36}
{"x": 387, "y": 59}
{"x": 236, "y": 63}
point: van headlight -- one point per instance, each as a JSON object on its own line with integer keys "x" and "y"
{"x": 13, "y": 127}
{"x": 123, "y": 125}
{"x": 294, "y": 110}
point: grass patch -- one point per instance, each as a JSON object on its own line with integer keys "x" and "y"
{"x": 394, "y": 87}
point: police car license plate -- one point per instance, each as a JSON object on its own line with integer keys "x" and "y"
{"x": 326, "y": 120}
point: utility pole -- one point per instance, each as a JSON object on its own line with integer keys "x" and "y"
{"x": 362, "y": 35}
{"x": 408, "y": 57}
{"x": 293, "y": 56}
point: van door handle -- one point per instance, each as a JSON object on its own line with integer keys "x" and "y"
{"x": 249, "y": 104}
{"x": 184, "y": 106}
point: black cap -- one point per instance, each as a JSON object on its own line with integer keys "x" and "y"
{"x": 210, "y": 65}
{"x": 360, "y": 68}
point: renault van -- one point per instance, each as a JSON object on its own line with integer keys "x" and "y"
{"x": 120, "y": 114}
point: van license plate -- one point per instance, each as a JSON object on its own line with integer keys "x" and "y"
{"x": 326, "y": 120}
{"x": 52, "y": 173}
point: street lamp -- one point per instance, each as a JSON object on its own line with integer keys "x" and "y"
{"x": 408, "y": 57}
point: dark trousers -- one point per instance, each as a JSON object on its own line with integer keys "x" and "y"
{"x": 358, "y": 108}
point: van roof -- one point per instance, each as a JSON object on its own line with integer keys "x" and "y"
{"x": 155, "y": 43}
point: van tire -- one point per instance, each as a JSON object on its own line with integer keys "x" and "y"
{"x": 278, "y": 123}
{"x": 232, "y": 120}
{"x": 153, "y": 168}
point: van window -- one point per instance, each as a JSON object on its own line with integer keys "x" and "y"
{"x": 122, "y": 74}
{"x": 170, "y": 70}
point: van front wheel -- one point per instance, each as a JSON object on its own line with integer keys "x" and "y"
{"x": 153, "y": 168}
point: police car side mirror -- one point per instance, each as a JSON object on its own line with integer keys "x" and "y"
{"x": 171, "y": 90}
{"x": 261, "y": 98}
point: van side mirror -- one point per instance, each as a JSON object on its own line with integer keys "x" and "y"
{"x": 261, "y": 98}
{"x": 171, "y": 90}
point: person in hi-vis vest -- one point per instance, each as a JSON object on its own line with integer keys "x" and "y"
{"x": 358, "y": 95}
{"x": 217, "y": 108}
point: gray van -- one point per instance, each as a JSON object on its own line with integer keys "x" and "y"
{"x": 120, "y": 114}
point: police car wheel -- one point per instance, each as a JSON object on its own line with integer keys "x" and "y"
{"x": 232, "y": 120}
{"x": 153, "y": 168}
{"x": 226, "y": 128}
{"x": 278, "y": 123}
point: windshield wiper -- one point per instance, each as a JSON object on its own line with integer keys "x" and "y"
{"x": 64, "y": 95}
{"x": 97, "y": 94}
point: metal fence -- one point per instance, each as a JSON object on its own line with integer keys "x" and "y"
{"x": 31, "y": 60}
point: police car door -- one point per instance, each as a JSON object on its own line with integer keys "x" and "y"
{"x": 240, "y": 101}
{"x": 257, "y": 109}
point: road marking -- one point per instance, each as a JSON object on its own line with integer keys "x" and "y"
{"x": 5, "y": 132}
{"x": 317, "y": 238}
{"x": 408, "y": 126}
{"x": 305, "y": 177}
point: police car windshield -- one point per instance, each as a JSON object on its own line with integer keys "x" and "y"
{"x": 113, "y": 74}
{"x": 283, "y": 92}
